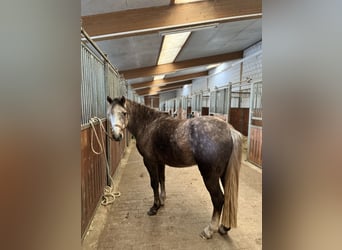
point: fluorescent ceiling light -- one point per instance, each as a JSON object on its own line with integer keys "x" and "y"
{"x": 158, "y": 77}
{"x": 172, "y": 44}
{"x": 213, "y": 65}
{"x": 187, "y": 29}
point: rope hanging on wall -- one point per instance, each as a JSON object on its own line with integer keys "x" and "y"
{"x": 109, "y": 195}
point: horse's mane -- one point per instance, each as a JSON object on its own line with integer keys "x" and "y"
{"x": 141, "y": 116}
{"x": 145, "y": 112}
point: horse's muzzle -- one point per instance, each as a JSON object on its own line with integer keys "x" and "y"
{"x": 117, "y": 138}
{"x": 118, "y": 135}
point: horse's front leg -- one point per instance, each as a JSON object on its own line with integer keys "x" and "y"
{"x": 161, "y": 173}
{"x": 153, "y": 171}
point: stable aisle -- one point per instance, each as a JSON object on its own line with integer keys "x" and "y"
{"x": 126, "y": 225}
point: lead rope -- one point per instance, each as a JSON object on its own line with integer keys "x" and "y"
{"x": 109, "y": 195}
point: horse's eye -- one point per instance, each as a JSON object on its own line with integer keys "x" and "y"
{"x": 124, "y": 113}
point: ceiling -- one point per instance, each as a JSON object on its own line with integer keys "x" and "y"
{"x": 129, "y": 32}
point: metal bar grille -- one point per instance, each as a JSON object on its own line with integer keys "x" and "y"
{"x": 254, "y": 153}
{"x": 219, "y": 101}
{"x": 99, "y": 79}
{"x": 92, "y": 86}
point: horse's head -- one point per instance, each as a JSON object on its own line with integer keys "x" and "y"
{"x": 117, "y": 116}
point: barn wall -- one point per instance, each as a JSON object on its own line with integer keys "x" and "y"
{"x": 228, "y": 72}
{"x": 93, "y": 177}
{"x": 252, "y": 67}
{"x": 99, "y": 79}
{"x": 185, "y": 91}
{"x": 223, "y": 74}
{"x": 199, "y": 84}
{"x": 166, "y": 96}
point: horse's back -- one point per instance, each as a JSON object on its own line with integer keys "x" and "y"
{"x": 167, "y": 141}
{"x": 211, "y": 140}
{"x": 182, "y": 143}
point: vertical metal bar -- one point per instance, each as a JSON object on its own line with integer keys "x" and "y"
{"x": 82, "y": 88}
{"x": 95, "y": 85}
{"x": 216, "y": 102}
{"x": 250, "y": 119}
{"x": 102, "y": 87}
{"x": 91, "y": 83}
{"x": 88, "y": 80}
{"x": 85, "y": 87}
{"x": 200, "y": 104}
{"x": 229, "y": 97}
{"x": 106, "y": 88}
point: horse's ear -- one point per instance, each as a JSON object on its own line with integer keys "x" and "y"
{"x": 109, "y": 100}
{"x": 123, "y": 100}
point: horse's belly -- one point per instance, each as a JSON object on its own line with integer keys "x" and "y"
{"x": 177, "y": 158}
{"x": 180, "y": 164}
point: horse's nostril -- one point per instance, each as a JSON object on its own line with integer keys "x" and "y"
{"x": 118, "y": 137}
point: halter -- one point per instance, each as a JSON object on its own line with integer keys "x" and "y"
{"x": 125, "y": 123}
{"x": 120, "y": 127}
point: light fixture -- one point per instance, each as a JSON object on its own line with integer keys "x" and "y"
{"x": 174, "y": 40}
{"x": 189, "y": 29}
{"x": 172, "y": 44}
{"x": 158, "y": 77}
{"x": 212, "y": 65}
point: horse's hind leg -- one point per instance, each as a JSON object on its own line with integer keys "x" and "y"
{"x": 222, "y": 229}
{"x": 217, "y": 198}
{"x": 161, "y": 172}
{"x": 153, "y": 171}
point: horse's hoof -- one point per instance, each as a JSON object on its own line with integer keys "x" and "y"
{"x": 223, "y": 230}
{"x": 206, "y": 234}
{"x": 152, "y": 212}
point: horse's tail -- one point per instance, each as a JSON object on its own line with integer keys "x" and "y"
{"x": 229, "y": 213}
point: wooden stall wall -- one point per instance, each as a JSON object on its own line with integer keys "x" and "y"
{"x": 93, "y": 176}
{"x": 255, "y": 126}
{"x": 255, "y": 145}
{"x": 188, "y": 110}
{"x": 152, "y": 101}
{"x": 205, "y": 111}
{"x": 117, "y": 150}
{"x": 99, "y": 79}
{"x": 238, "y": 118}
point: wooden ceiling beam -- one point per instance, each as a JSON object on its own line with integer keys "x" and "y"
{"x": 176, "y": 84}
{"x": 155, "y": 90}
{"x": 168, "y": 80}
{"x": 154, "y": 19}
{"x": 172, "y": 67}
{"x": 166, "y": 90}
{"x": 158, "y": 92}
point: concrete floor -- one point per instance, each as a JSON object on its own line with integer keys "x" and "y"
{"x": 126, "y": 225}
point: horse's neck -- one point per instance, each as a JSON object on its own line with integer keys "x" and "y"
{"x": 139, "y": 116}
